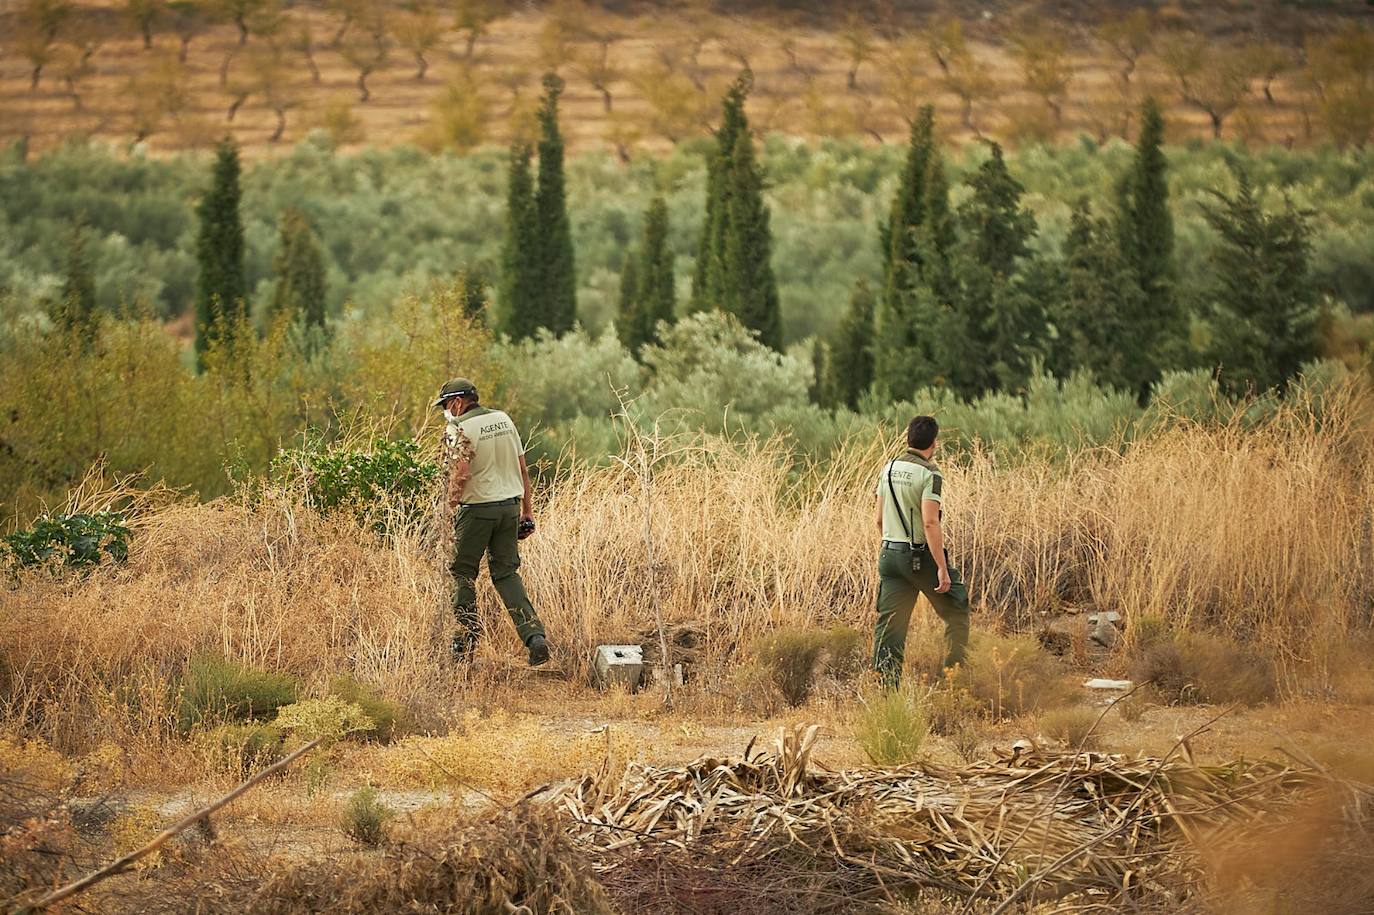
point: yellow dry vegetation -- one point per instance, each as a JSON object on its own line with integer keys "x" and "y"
{"x": 501, "y": 752}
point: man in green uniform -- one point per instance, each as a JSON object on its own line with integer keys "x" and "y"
{"x": 489, "y": 487}
{"x": 913, "y": 560}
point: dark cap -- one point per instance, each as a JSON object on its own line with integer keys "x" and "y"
{"x": 458, "y": 387}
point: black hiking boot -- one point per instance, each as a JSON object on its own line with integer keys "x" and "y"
{"x": 539, "y": 651}
{"x": 462, "y": 646}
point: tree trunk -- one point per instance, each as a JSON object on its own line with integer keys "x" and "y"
{"x": 310, "y": 62}
{"x": 1216, "y": 124}
{"x": 605, "y": 98}
{"x": 224, "y": 69}
{"x": 422, "y": 66}
{"x": 472, "y": 45}
{"x": 185, "y": 48}
{"x": 852, "y": 79}
{"x": 243, "y": 30}
{"x": 147, "y": 36}
{"x": 363, "y": 94}
{"x": 237, "y": 104}
{"x": 1268, "y": 91}
{"x": 343, "y": 27}
{"x": 34, "y": 76}
{"x": 281, "y": 124}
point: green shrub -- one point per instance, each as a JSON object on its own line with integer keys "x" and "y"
{"x": 389, "y": 719}
{"x": 792, "y": 658}
{"x": 365, "y": 818}
{"x": 1072, "y": 725}
{"x": 891, "y": 727}
{"x": 950, "y": 709}
{"x": 1203, "y": 667}
{"x": 1013, "y": 675}
{"x": 215, "y": 689}
{"x": 76, "y": 540}
{"x": 330, "y": 719}
{"x": 845, "y": 651}
{"x": 390, "y": 475}
{"x": 240, "y": 748}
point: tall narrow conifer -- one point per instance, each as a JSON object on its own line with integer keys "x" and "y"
{"x": 299, "y": 267}
{"x": 221, "y": 285}
{"x": 1145, "y": 234}
{"x": 521, "y": 302}
{"x": 558, "y": 285}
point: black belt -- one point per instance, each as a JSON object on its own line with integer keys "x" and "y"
{"x": 511, "y": 501}
{"x": 904, "y": 547}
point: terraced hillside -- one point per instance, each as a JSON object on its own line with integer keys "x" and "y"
{"x": 464, "y": 73}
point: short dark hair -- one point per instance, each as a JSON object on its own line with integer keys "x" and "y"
{"x": 921, "y": 432}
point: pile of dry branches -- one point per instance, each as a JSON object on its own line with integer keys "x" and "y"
{"x": 746, "y": 833}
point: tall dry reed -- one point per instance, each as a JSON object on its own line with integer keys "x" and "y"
{"x": 1263, "y": 532}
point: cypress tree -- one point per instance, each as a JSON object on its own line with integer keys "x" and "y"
{"x": 1000, "y": 327}
{"x": 912, "y": 317}
{"x": 657, "y": 288}
{"x": 1096, "y": 291}
{"x": 221, "y": 285}
{"x": 558, "y": 278}
{"x": 849, "y": 364}
{"x": 750, "y": 290}
{"x": 521, "y": 301}
{"x": 76, "y": 310}
{"x": 708, "y": 285}
{"x": 474, "y": 293}
{"x": 299, "y": 267}
{"x": 1145, "y": 233}
{"x": 901, "y": 246}
{"x": 629, "y": 323}
{"x": 1265, "y": 318}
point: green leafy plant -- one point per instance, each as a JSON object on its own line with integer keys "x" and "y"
{"x": 389, "y": 719}
{"x": 365, "y": 818}
{"x": 240, "y": 747}
{"x": 330, "y": 719}
{"x": 216, "y": 689}
{"x": 390, "y": 473}
{"x": 891, "y": 727}
{"x": 75, "y": 540}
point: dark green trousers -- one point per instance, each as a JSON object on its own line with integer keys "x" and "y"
{"x": 898, "y": 588}
{"x": 491, "y": 530}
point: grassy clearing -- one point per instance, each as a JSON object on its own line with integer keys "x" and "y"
{"x": 1258, "y": 533}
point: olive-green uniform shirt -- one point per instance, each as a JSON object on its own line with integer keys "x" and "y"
{"x": 914, "y": 480}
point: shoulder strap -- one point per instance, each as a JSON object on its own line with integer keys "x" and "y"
{"x": 906, "y": 529}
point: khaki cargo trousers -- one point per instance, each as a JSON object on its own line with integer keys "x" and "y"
{"x": 898, "y": 588}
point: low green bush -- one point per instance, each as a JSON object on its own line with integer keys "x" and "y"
{"x": 792, "y": 658}
{"x": 330, "y": 719}
{"x": 891, "y": 727}
{"x": 389, "y": 719}
{"x": 1071, "y": 725}
{"x": 241, "y": 748}
{"x": 1013, "y": 675}
{"x": 215, "y": 689}
{"x": 1203, "y": 667}
{"x": 389, "y": 475}
{"x": 365, "y": 818}
{"x": 75, "y": 540}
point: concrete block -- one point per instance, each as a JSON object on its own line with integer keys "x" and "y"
{"x": 622, "y": 664}
{"x": 1100, "y": 683}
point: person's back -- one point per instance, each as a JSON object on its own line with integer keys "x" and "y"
{"x": 494, "y": 462}
{"x": 489, "y": 491}
{"x": 913, "y": 560}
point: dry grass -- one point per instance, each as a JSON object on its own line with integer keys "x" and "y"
{"x": 1261, "y": 533}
